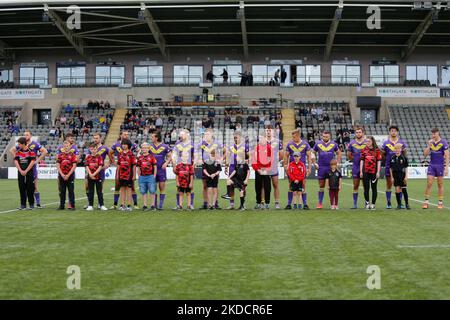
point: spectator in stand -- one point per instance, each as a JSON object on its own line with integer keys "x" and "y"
{"x": 314, "y": 112}
{"x": 210, "y": 76}
{"x": 276, "y": 76}
{"x": 326, "y": 117}
{"x": 283, "y": 75}
{"x": 68, "y": 108}
{"x": 107, "y": 105}
{"x": 224, "y": 75}
{"x": 159, "y": 123}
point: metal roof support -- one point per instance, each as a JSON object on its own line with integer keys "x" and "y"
{"x": 415, "y": 38}
{"x": 75, "y": 41}
{"x": 241, "y": 15}
{"x": 156, "y": 32}
{"x": 333, "y": 28}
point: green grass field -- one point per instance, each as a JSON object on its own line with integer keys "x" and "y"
{"x": 223, "y": 254}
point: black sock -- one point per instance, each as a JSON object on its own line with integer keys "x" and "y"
{"x": 242, "y": 201}
{"x": 229, "y": 190}
{"x": 405, "y": 195}
{"x": 399, "y": 201}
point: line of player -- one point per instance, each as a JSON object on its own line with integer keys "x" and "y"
{"x": 150, "y": 161}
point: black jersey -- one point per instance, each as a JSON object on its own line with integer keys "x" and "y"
{"x": 398, "y": 164}
{"x": 242, "y": 171}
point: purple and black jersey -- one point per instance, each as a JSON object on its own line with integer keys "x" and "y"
{"x": 236, "y": 155}
{"x": 117, "y": 148}
{"x": 205, "y": 149}
{"x": 160, "y": 153}
{"x": 277, "y": 146}
{"x": 302, "y": 147}
{"x": 183, "y": 151}
{"x": 355, "y": 148}
{"x": 73, "y": 150}
{"x": 325, "y": 153}
{"x": 389, "y": 150}
{"x": 437, "y": 158}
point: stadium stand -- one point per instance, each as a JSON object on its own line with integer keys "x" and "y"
{"x": 9, "y": 125}
{"x": 224, "y": 120}
{"x": 415, "y": 123}
{"x": 313, "y": 117}
{"x": 78, "y": 120}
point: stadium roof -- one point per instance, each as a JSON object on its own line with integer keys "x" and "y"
{"x": 112, "y": 27}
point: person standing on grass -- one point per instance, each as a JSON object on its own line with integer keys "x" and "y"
{"x": 94, "y": 166}
{"x": 211, "y": 171}
{"x": 235, "y": 154}
{"x": 297, "y": 174}
{"x": 297, "y": 144}
{"x": 66, "y": 163}
{"x": 40, "y": 153}
{"x": 399, "y": 172}
{"x": 261, "y": 163}
{"x": 354, "y": 154}
{"x": 205, "y": 150}
{"x": 115, "y": 151}
{"x": 184, "y": 172}
{"x": 437, "y": 149}
{"x": 24, "y": 160}
{"x": 388, "y": 150}
{"x": 325, "y": 150}
{"x": 147, "y": 171}
{"x": 334, "y": 180}
{"x": 369, "y": 171}
{"x": 163, "y": 155}
{"x": 184, "y": 151}
{"x": 126, "y": 173}
{"x": 277, "y": 154}
{"x": 103, "y": 151}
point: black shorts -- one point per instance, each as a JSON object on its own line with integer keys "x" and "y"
{"x": 126, "y": 183}
{"x": 399, "y": 179}
{"x": 297, "y": 186}
{"x": 239, "y": 184}
{"x": 184, "y": 189}
{"x": 212, "y": 183}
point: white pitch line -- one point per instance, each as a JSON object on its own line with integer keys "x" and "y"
{"x": 51, "y": 203}
{"x": 57, "y": 202}
{"x": 425, "y": 246}
{"x": 412, "y": 199}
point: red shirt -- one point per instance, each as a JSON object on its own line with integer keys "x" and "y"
{"x": 66, "y": 161}
{"x": 125, "y": 165}
{"x": 184, "y": 172}
{"x": 93, "y": 163}
{"x": 262, "y": 157}
{"x": 24, "y": 158}
{"x": 370, "y": 157}
{"x": 296, "y": 171}
{"x": 146, "y": 164}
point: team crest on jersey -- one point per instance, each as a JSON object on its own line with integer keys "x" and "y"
{"x": 359, "y": 146}
{"x": 326, "y": 148}
{"x": 299, "y": 149}
{"x": 437, "y": 148}
{"x": 392, "y": 146}
{"x": 157, "y": 151}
